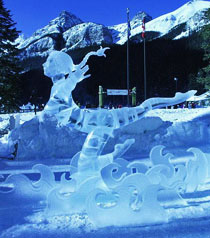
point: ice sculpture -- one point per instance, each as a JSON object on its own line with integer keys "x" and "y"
{"x": 65, "y": 75}
{"x": 109, "y": 189}
{"x": 197, "y": 170}
{"x": 121, "y": 193}
{"x": 22, "y": 189}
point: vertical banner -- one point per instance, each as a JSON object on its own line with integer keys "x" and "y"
{"x": 128, "y": 22}
{"x": 143, "y": 28}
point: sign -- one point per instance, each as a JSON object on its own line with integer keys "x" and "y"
{"x": 117, "y": 92}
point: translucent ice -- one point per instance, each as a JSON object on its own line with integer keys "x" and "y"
{"x": 121, "y": 193}
{"x": 197, "y": 170}
{"x": 65, "y": 76}
{"x": 108, "y": 188}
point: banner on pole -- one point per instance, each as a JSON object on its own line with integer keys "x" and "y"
{"x": 117, "y": 92}
{"x": 143, "y": 28}
{"x": 128, "y": 22}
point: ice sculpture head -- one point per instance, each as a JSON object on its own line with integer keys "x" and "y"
{"x": 57, "y": 64}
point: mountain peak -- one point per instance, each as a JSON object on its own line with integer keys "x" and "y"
{"x": 66, "y": 20}
{"x": 67, "y": 31}
{"x": 67, "y": 14}
{"x": 141, "y": 15}
{"x": 190, "y": 2}
{"x": 64, "y": 12}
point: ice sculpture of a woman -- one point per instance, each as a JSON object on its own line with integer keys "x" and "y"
{"x": 65, "y": 76}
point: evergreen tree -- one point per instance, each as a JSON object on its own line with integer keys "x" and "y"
{"x": 9, "y": 62}
{"x": 204, "y": 74}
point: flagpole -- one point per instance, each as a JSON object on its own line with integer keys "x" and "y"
{"x": 145, "y": 73}
{"x": 128, "y": 73}
{"x": 145, "y": 70}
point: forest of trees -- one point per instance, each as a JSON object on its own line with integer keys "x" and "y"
{"x": 186, "y": 59}
{"x": 204, "y": 73}
{"x": 10, "y": 72}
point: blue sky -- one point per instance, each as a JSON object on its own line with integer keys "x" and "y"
{"x": 31, "y": 15}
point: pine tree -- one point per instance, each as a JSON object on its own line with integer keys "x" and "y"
{"x": 9, "y": 62}
{"x": 204, "y": 74}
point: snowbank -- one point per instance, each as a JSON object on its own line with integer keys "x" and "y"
{"x": 180, "y": 128}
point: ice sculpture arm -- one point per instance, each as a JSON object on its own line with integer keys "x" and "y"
{"x": 79, "y": 74}
{"x": 153, "y": 103}
{"x": 99, "y": 52}
{"x": 119, "y": 150}
{"x": 82, "y": 68}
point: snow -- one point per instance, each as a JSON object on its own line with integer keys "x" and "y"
{"x": 62, "y": 23}
{"x": 76, "y": 36}
{"x": 155, "y": 171}
{"x": 74, "y": 31}
{"x": 170, "y": 20}
{"x": 164, "y": 23}
{"x": 179, "y": 114}
{"x": 188, "y": 220}
{"x": 4, "y": 118}
{"x": 204, "y": 96}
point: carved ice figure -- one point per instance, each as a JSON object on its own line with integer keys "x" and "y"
{"x": 121, "y": 212}
{"x": 95, "y": 145}
{"x": 197, "y": 170}
{"x": 90, "y": 160}
{"x": 70, "y": 199}
{"x": 70, "y": 196}
{"x": 170, "y": 177}
{"x": 65, "y": 76}
{"x": 91, "y": 171}
{"x": 21, "y": 188}
{"x": 110, "y": 189}
{"x": 57, "y": 66}
{"x": 110, "y": 120}
{"x": 164, "y": 172}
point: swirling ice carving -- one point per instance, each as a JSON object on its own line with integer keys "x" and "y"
{"x": 119, "y": 194}
{"x": 20, "y": 187}
{"x": 122, "y": 213}
{"x": 197, "y": 170}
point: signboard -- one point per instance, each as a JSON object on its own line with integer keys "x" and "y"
{"x": 117, "y": 92}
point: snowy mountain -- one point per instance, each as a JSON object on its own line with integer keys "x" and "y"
{"x": 86, "y": 34}
{"x": 190, "y": 17}
{"x": 68, "y": 32}
{"x": 119, "y": 32}
{"x": 65, "y": 32}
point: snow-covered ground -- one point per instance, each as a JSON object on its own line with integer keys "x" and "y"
{"x": 173, "y": 115}
{"x": 179, "y": 114}
{"x": 22, "y": 216}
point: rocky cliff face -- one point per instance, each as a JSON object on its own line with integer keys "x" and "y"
{"x": 119, "y": 32}
{"x": 65, "y": 32}
{"x": 86, "y": 34}
{"x": 68, "y": 32}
